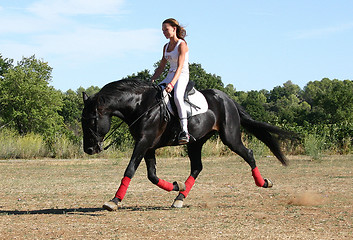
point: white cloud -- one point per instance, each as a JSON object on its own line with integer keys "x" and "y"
{"x": 23, "y": 24}
{"x": 48, "y": 31}
{"x": 87, "y": 43}
{"x": 51, "y": 15}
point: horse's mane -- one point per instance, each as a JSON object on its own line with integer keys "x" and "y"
{"x": 127, "y": 86}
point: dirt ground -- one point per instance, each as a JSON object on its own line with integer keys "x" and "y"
{"x": 62, "y": 199}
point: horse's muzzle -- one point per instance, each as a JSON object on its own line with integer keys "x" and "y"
{"x": 95, "y": 149}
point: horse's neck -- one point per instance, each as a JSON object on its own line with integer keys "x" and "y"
{"x": 130, "y": 106}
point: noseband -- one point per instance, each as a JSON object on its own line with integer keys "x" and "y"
{"x": 95, "y": 117}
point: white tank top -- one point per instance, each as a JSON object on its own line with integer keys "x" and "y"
{"x": 173, "y": 56}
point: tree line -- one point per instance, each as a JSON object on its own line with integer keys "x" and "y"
{"x": 29, "y": 104}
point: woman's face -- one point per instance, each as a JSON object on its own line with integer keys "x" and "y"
{"x": 168, "y": 30}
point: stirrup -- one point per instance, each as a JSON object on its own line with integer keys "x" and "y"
{"x": 184, "y": 137}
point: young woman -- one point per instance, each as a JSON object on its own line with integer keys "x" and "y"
{"x": 176, "y": 52}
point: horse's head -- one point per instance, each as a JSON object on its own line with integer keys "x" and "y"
{"x": 95, "y": 124}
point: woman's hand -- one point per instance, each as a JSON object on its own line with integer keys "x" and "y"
{"x": 169, "y": 87}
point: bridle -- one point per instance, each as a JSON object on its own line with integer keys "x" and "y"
{"x": 96, "y": 117}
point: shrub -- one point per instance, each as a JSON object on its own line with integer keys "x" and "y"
{"x": 314, "y": 146}
{"x": 64, "y": 148}
{"x": 16, "y": 146}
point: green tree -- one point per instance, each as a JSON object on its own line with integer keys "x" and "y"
{"x": 292, "y": 110}
{"x": 331, "y": 101}
{"x": 288, "y": 104}
{"x": 255, "y": 104}
{"x": 240, "y": 97}
{"x": 287, "y": 90}
{"x": 90, "y": 91}
{"x": 230, "y": 91}
{"x": 71, "y": 112}
{"x": 5, "y": 65}
{"x": 204, "y": 80}
{"x": 28, "y": 101}
{"x": 72, "y": 103}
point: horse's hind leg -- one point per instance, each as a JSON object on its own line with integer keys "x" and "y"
{"x": 247, "y": 155}
{"x": 233, "y": 140}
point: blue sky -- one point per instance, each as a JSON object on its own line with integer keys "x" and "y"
{"x": 251, "y": 44}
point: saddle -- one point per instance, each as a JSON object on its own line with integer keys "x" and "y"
{"x": 189, "y": 91}
{"x": 194, "y": 100}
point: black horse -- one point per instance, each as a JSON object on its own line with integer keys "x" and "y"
{"x": 137, "y": 104}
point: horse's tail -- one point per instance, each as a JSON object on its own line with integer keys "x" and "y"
{"x": 264, "y": 132}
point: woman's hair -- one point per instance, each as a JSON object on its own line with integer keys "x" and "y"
{"x": 180, "y": 31}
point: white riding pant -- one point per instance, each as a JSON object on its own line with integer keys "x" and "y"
{"x": 179, "y": 91}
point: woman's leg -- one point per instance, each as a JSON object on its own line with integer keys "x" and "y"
{"x": 179, "y": 91}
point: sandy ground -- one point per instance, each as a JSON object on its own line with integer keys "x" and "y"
{"x": 62, "y": 199}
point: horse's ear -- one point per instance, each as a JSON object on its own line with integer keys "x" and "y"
{"x": 84, "y": 96}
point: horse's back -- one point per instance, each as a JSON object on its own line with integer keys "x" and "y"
{"x": 218, "y": 100}
{"x": 221, "y": 111}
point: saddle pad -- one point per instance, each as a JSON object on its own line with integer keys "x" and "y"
{"x": 198, "y": 103}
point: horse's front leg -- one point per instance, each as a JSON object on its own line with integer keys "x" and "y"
{"x": 150, "y": 159}
{"x": 194, "y": 151}
{"x": 138, "y": 153}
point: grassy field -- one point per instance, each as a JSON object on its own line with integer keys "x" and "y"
{"x": 62, "y": 199}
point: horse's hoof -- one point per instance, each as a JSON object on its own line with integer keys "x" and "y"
{"x": 177, "y": 204}
{"x": 269, "y": 183}
{"x": 181, "y": 186}
{"x": 112, "y": 205}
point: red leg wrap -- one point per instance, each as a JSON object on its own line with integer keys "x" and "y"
{"x": 188, "y": 183}
{"x": 257, "y": 177}
{"x": 165, "y": 185}
{"x": 123, "y": 188}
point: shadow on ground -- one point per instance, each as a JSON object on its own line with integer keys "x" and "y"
{"x": 53, "y": 211}
{"x": 85, "y": 211}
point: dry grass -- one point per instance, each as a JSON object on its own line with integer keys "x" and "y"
{"x": 61, "y": 199}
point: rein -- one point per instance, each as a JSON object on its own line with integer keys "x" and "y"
{"x": 116, "y": 128}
